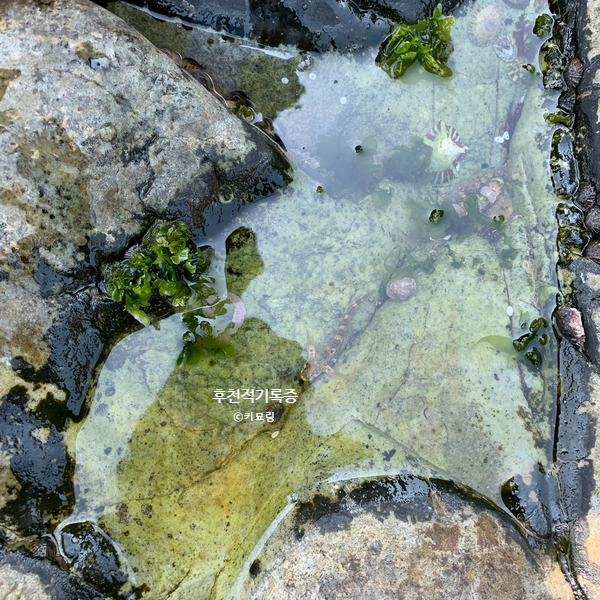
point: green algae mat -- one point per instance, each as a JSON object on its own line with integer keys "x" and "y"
{"x": 189, "y": 455}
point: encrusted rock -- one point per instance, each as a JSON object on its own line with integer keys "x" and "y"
{"x": 592, "y": 219}
{"x": 401, "y": 289}
{"x": 586, "y": 195}
{"x": 570, "y": 324}
{"x": 443, "y": 546}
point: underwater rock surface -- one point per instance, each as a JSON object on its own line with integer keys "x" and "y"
{"x": 420, "y": 394}
{"x": 406, "y": 538}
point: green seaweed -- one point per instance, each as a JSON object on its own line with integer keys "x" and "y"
{"x": 517, "y": 348}
{"x": 499, "y": 343}
{"x": 427, "y": 41}
{"x": 164, "y": 264}
{"x": 543, "y": 25}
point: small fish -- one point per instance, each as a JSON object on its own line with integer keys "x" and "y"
{"x": 318, "y": 362}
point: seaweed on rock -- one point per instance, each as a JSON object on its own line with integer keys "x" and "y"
{"x": 164, "y": 263}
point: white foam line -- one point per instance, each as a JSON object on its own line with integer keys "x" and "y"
{"x": 245, "y": 570}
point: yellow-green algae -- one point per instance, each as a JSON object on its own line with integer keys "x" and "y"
{"x": 185, "y": 491}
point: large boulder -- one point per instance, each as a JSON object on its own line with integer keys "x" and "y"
{"x": 100, "y": 132}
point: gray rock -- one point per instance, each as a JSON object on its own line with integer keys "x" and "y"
{"x": 425, "y": 543}
{"x": 99, "y": 133}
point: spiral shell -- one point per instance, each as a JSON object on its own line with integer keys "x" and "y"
{"x": 401, "y": 289}
{"x": 516, "y": 71}
{"x": 485, "y": 25}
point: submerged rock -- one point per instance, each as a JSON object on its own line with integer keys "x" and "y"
{"x": 406, "y": 538}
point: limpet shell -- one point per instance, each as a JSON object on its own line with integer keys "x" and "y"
{"x": 593, "y": 251}
{"x": 505, "y": 48}
{"x": 592, "y": 219}
{"x": 566, "y": 101}
{"x": 401, "y": 289}
{"x": 485, "y": 25}
{"x": 570, "y": 324}
{"x": 573, "y": 72}
{"x": 174, "y": 56}
{"x": 586, "y": 195}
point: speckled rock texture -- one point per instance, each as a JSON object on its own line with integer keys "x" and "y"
{"x": 437, "y": 545}
{"x": 99, "y": 133}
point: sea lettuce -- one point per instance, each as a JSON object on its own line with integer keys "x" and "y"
{"x": 427, "y": 41}
{"x": 165, "y": 264}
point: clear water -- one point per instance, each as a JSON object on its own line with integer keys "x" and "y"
{"x": 187, "y": 492}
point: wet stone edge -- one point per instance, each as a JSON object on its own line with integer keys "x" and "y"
{"x": 575, "y": 434}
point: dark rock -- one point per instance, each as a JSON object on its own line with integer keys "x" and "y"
{"x": 114, "y": 134}
{"x": 23, "y": 577}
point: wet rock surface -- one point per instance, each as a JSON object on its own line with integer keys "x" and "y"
{"x": 316, "y": 25}
{"x": 407, "y": 538}
{"x": 578, "y": 445}
{"x": 100, "y": 133}
{"x": 25, "y": 578}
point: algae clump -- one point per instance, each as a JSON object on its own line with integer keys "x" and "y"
{"x": 164, "y": 263}
{"x": 427, "y": 41}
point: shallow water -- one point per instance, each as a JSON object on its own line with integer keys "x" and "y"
{"x": 184, "y": 490}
